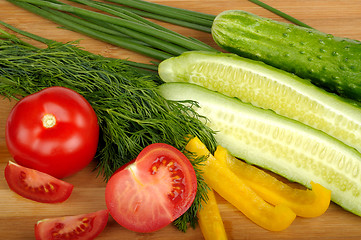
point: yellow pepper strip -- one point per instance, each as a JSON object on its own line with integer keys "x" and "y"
{"x": 233, "y": 189}
{"x": 304, "y": 203}
{"x": 210, "y": 220}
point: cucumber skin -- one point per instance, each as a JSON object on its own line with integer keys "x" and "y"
{"x": 330, "y": 62}
{"x": 283, "y": 164}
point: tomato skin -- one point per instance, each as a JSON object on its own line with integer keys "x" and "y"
{"x": 60, "y": 150}
{"x": 153, "y": 191}
{"x": 80, "y": 227}
{"x": 35, "y": 185}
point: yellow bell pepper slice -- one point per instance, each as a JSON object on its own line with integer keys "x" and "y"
{"x": 305, "y": 203}
{"x": 234, "y": 190}
{"x": 210, "y": 220}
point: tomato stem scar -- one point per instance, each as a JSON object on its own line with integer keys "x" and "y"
{"x": 48, "y": 120}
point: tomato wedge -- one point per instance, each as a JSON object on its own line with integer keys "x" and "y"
{"x": 79, "y": 227}
{"x": 36, "y": 185}
{"x": 154, "y": 190}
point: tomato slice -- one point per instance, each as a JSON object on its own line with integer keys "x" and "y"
{"x": 79, "y": 227}
{"x": 36, "y": 185}
{"x": 154, "y": 190}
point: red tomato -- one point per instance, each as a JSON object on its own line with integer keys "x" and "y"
{"x": 154, "y": 190}
{"x": 81, "y": 227}
{"x": 35, "y": 185}
{"x": 54, "y": 131}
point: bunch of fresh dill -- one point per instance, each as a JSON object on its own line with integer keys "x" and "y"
{"x": 130, "y": 111}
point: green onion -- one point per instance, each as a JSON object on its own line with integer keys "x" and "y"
{"x": 112, "y": 29}
{"x": 118, "y": 41}
{"x": 170, "y": 20}
{"x": 176, "y": 39}
{"x": 123, "y": 13}
{"x": 172, "y": 12}
{"x": 280, "y": 13}
{"x": 6, "y": 35}
{"x": 155, "y": 42}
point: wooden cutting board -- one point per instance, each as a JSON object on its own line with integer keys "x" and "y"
{"x": 18, "y": 215}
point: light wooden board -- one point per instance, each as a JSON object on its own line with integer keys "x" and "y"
{"x": 18, "y": 215}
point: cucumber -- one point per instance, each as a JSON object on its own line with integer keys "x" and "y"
{"x": 333, "y": 63}
{"x": 269, "y": 88}
{"x": 285, "y": 146}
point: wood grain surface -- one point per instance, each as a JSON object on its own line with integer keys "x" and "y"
{"x": 18, "y": 215}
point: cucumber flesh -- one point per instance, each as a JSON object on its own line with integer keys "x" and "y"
{"x": 269, "y": 88}
{"x": 287, "y": 147}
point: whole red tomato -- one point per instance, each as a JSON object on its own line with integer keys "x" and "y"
{"x": 53, "y": 131}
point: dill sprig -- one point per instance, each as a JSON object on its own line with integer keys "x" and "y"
{"x": 190, "y": 217}
{"x": 130, "y": 111}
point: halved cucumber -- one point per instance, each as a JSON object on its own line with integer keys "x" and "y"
{"x": 285, "y": 146}
{"x": 269, "y": 88}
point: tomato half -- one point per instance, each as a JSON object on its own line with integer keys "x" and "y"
{"x": 154, "y": 190}
{"x": 35, "y": 185}
{"x": 80, "y": 227}
{"x": 54, "y": 131}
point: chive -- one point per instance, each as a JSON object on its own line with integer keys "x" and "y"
{"x": 152, "y": 41}
{"x": 49, "y": 42}
{"x": 141, "y": 65}
{"x": 117, "y": 12}
{"x": 115, "y": 40}
{"x": 138, "y": 13}
{"x": 173, "y": 12}
{"x": 88, "y": 23}
{"x": 280, "y": 13}
{"x": 181, "y": 41}
{"x": 123, "y": 13}
{"x": 113, "y": 9}
{"x": 121, "y": 31}
{"x": 6, "y": 35}
{"x": 170, "y": 20}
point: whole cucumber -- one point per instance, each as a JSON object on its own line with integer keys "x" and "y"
{"x": 330, "y": 62}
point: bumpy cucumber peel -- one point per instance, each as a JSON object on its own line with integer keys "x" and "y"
{"x": 333, "y": 63}
{"x": 269, "y": 88}
{"x": 287, "y": 147}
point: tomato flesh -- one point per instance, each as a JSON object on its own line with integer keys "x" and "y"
{"x": 154, "y": 190}
{"x": 80, "y": 227}
{"x": 54, "y": 131}
{"x": 35, "y": 185}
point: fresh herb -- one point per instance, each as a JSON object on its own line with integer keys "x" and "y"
{"x": 137, "y": 33}
{"x": 184, "y": 15}
{"x": 280, "y": 13}
{"x": 130, "y": 111}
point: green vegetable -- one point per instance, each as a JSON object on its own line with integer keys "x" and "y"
{"x": 287, "y": 147}
{"x": 122, "y": 28}
{"x": 172, "y": 12}
{"x": 280, "y": 13}
{"x": 130, "y": 111}
{"x": 269, "y": 88}
{"x": 330, "y": 62}
{"x": 93, "y": 30}
{"x": 169, "y": 20}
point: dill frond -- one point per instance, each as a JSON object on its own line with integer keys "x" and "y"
{"x": 130, "y": 111}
